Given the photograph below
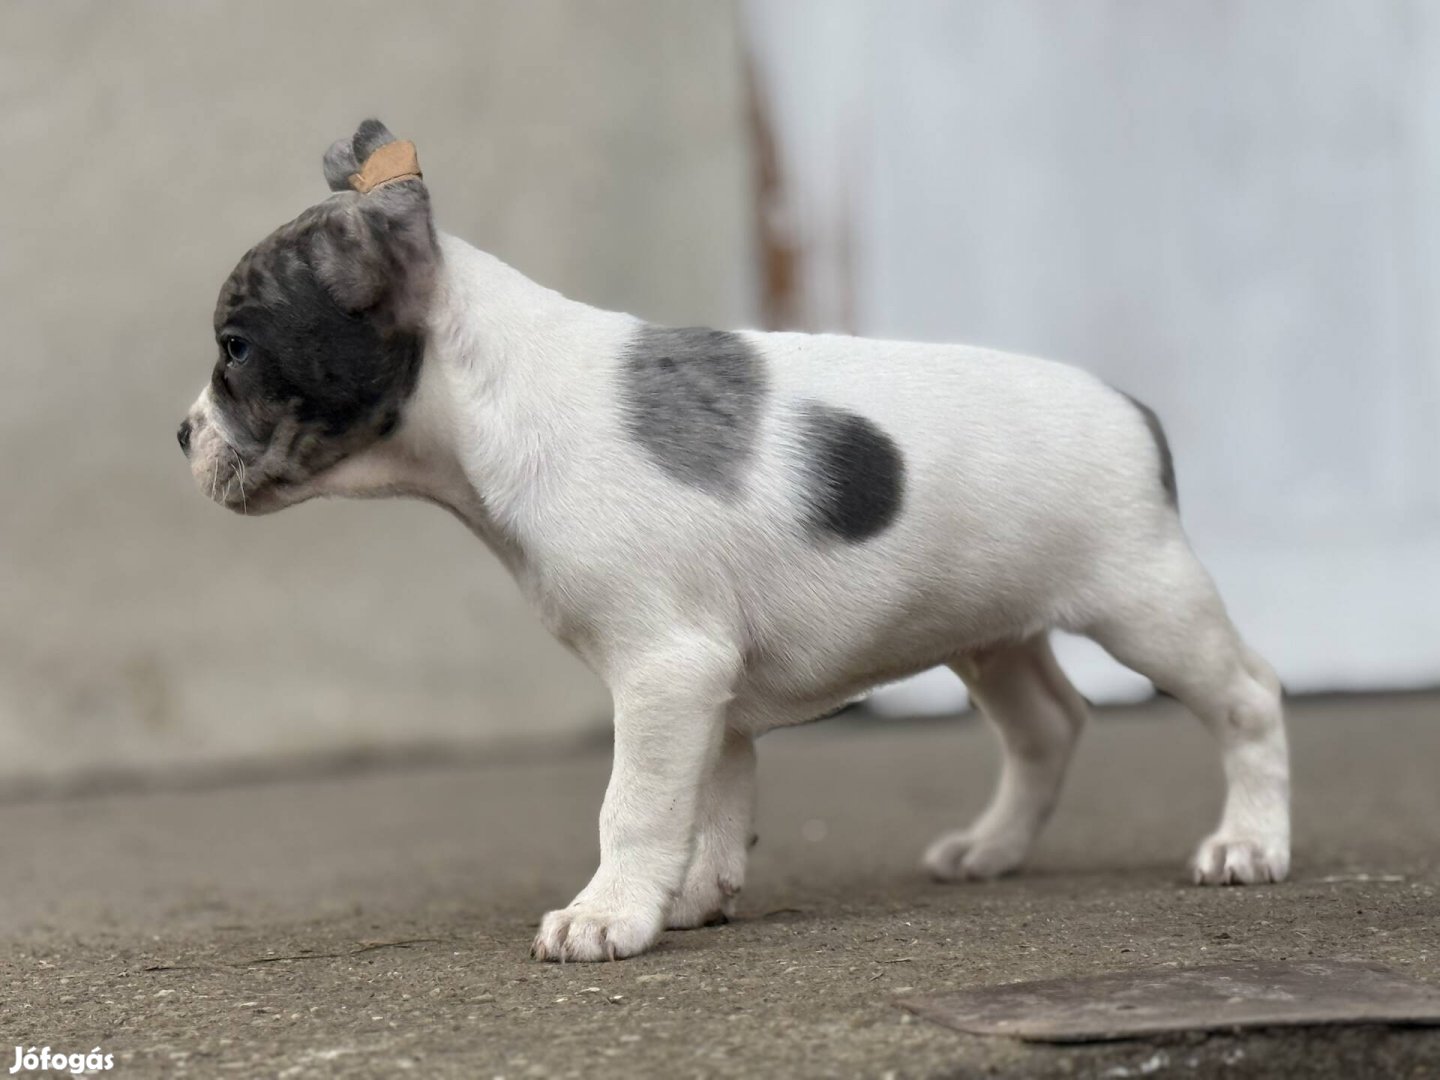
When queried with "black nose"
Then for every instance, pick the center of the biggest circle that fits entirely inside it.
(183, 437)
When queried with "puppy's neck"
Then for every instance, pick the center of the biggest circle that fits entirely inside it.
(506, 372)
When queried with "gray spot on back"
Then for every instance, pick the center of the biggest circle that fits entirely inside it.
(1162, 447)
(692, 398)
(855, 473)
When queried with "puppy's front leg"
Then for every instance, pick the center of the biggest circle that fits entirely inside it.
(669, 721)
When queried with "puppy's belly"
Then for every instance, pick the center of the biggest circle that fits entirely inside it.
(812, 652)
(802, 685)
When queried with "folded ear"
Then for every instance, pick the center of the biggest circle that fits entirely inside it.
(345, 156)
(375, 252)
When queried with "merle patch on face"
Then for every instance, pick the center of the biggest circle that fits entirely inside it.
(1162, 447)
(318, 381)
(855, 474)
(320, 337)
(692, 398)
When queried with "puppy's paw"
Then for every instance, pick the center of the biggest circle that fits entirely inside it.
(971, 855)
(707, 900)
(590, 932)
(1238, 860)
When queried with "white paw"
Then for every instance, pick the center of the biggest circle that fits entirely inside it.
(1234, 860)
(590, 932)
(707, 900)
(972, 855)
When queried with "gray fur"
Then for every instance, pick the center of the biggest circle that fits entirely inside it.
(378, 246)
(346, 156)
(369, 137)
(333, 307)
(855, 474)
(692, 398)
(1162, 447)
(340, 164)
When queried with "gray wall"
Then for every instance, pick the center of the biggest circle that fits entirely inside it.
(597, 146)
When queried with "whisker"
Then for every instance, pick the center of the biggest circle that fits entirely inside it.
(244, 502)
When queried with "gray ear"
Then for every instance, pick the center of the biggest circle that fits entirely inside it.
(369, 137)
(345, 156)
(340, 163)
(378, 252)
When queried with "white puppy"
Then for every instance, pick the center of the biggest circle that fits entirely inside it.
(737, 531)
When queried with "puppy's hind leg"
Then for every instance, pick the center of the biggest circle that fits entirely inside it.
(1038, 717)
(1169, 624)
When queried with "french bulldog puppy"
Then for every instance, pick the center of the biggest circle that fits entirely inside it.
(736, 530)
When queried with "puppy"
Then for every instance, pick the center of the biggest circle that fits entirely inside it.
(736, 530)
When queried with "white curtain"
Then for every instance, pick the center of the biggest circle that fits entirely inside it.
(1231, 211)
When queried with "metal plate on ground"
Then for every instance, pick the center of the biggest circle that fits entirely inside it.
(1151, 1001)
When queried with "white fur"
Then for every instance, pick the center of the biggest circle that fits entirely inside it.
(1032, 501)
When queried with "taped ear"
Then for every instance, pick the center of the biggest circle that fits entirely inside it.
(376, 250)
(340, 164)
(346, 157)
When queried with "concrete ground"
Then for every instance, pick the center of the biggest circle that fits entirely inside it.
(377, 922)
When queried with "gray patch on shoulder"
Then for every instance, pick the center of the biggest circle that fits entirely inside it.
(855, 473)
(692, 398)
(1162, 447)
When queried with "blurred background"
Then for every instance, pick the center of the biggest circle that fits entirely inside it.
(1227, 209)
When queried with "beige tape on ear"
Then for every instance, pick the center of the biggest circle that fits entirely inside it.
(391, 162)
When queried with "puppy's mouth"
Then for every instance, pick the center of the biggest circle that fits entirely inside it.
(247, 477)
(244, 486)
(292, 463)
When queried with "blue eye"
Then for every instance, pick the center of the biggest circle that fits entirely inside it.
(237, 349)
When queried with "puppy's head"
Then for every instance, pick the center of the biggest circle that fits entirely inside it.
(319, 334)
